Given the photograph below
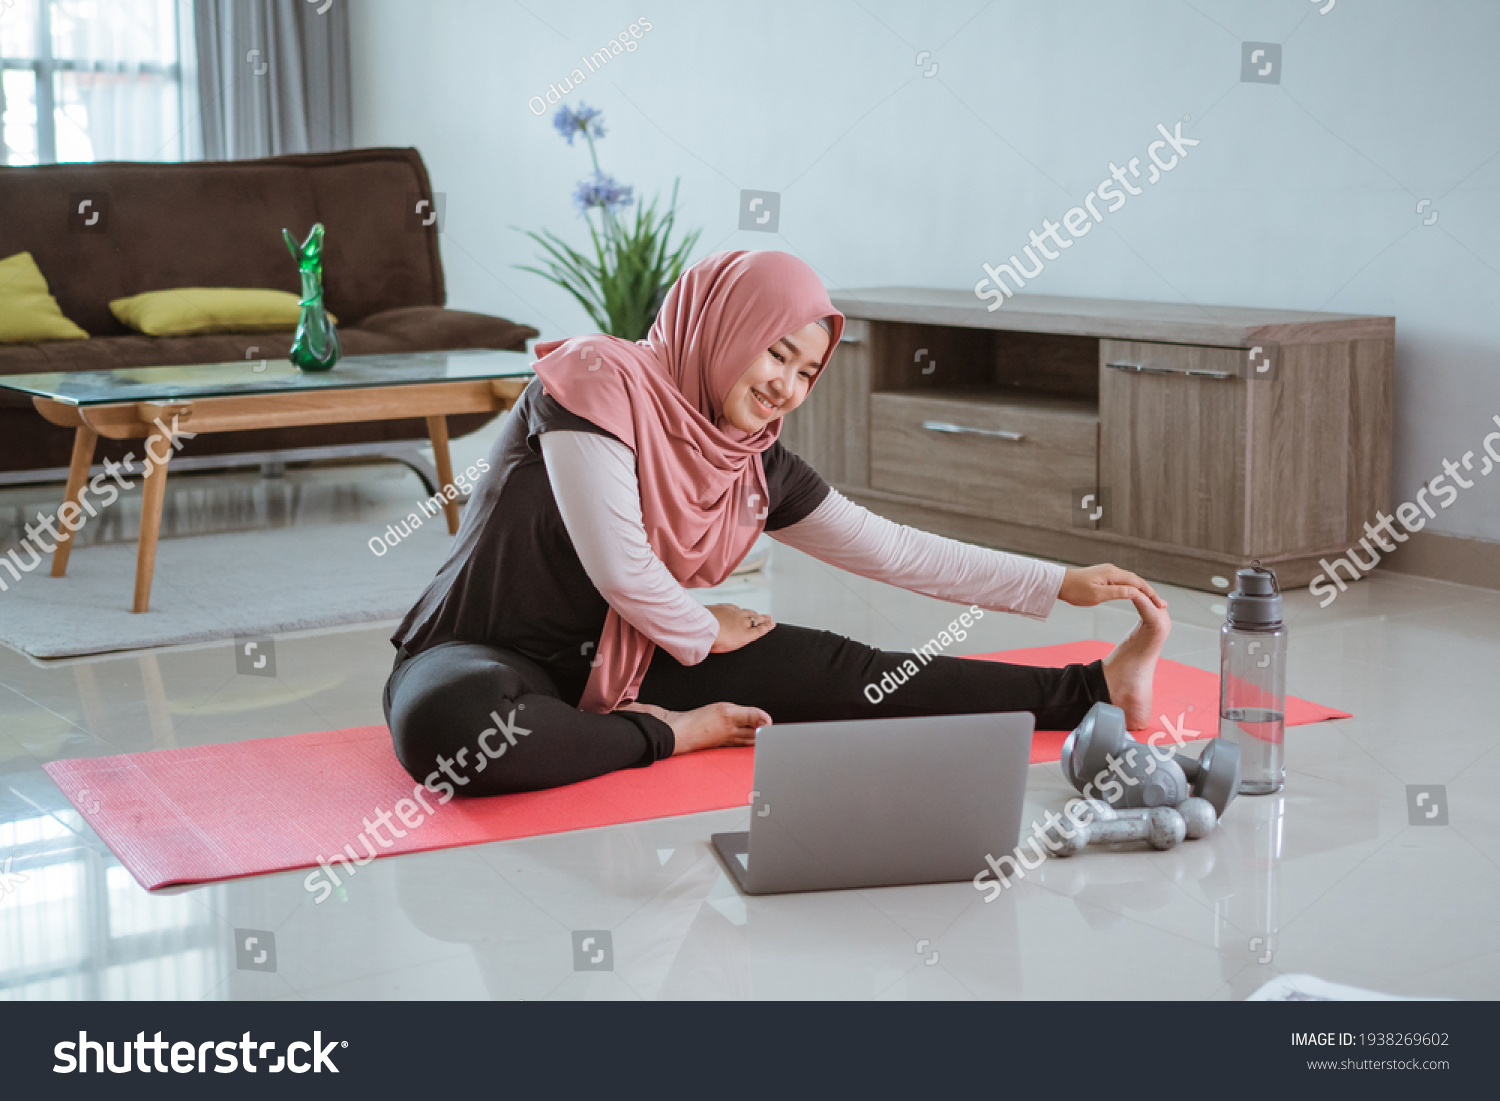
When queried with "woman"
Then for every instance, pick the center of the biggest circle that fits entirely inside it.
(558, 641)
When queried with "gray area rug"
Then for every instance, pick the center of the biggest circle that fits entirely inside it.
(210, 588)
(215, 587)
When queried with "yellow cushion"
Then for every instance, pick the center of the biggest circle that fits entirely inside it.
(186, 310)
(28, 312)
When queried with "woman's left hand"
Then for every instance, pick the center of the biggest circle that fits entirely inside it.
(1090, 585)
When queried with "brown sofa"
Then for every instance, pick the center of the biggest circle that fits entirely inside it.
(218, 224)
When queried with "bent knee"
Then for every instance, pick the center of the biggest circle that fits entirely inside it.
(458, 716)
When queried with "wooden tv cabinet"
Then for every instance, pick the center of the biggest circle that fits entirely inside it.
(1178, 441)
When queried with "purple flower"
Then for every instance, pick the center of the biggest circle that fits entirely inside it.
(601, 190)
(585, 121)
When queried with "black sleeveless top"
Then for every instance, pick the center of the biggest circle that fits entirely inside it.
(513, 578)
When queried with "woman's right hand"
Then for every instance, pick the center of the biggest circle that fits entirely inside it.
(737, 626)
(1091, 585)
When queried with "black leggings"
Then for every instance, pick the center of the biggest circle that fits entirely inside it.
(486, 721)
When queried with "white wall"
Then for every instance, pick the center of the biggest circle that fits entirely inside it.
(1301, 195)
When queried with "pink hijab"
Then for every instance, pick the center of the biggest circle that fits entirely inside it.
(662, 397)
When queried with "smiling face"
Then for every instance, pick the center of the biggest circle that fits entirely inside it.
(777, 380)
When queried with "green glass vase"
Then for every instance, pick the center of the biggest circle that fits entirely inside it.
(315, 347)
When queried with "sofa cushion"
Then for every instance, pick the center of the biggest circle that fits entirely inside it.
(27, 309)
(184, 311)
(432, 328)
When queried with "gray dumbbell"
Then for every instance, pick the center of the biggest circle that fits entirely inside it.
(1215, 776)
(1098, 809)
(1145, 780)
(1197, 816)
(1163, 827)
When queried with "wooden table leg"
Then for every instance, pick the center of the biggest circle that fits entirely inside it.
(153, 492)
(84, 439)
(437, 431)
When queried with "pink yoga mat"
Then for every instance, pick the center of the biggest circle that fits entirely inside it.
(195, 815)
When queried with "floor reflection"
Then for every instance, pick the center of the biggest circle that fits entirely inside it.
(75, 925)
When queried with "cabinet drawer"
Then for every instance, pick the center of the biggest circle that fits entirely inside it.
(1007, 460)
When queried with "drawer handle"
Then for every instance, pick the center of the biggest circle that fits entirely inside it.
(1122, 366)
(997, 433)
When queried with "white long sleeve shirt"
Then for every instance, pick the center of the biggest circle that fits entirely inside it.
(598, 496)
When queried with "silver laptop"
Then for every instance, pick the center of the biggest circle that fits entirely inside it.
(880, 802)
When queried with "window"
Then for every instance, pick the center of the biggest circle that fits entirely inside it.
(94, 80)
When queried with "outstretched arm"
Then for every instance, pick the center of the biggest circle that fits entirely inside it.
(850, 537)
(594, 482)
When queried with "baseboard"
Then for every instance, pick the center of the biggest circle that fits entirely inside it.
(1443, 557)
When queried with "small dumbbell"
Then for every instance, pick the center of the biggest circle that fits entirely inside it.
(1197, 816)
(1097, 809)
(1163, 827)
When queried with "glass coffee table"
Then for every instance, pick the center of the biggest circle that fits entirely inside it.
(163, 405)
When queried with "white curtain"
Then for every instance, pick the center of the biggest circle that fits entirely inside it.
(118, 85)
(97, 80)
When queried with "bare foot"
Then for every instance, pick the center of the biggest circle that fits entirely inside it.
(1129, 668)
(708, 727)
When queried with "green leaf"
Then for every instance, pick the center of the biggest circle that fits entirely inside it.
(622, 286)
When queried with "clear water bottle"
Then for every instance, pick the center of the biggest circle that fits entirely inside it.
(1252, 679)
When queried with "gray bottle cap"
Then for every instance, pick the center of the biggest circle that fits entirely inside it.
(1255, 604)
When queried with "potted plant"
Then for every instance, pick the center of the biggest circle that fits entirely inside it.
(623, 283)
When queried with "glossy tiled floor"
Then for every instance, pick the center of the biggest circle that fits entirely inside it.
(1327, 877)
